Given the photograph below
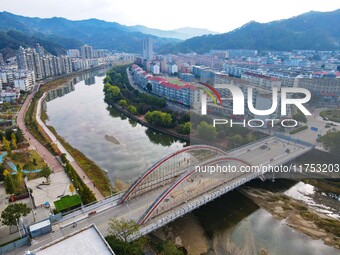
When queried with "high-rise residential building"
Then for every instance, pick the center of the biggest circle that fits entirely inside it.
(148, 48)
(21, 58)
(73, 53)
(99, 53)
(171, 68)
(40, 49)
(155, 68)
(2, 62)
(86, 51)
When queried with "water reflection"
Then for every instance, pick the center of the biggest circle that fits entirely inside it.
(90, 81)
(84, 119)
(67, 88)
(59, 91)
(160, 138)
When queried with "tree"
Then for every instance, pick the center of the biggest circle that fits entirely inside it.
(159, 118)
(132, 109)
(13, 212)
(45, 172)
(300, 117)
(184, 128)
(6, 105)
(331, 141)
(169, 248)
(8, 133)
(120, 232)
(123, 229)
(71, 188)
(19, 136)
(206, 131)
(14, 141)
(19, 183)
(236, 140)
(6, 144)
(123, 103)
(149, 87)
(8, 181)
(113, 93)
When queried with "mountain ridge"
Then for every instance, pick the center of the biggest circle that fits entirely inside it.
(311, 30)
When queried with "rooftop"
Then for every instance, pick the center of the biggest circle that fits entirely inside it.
(87, 241)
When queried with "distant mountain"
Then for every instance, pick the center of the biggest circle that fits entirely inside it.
(180, 33)
(98, 33)
(12, 39)
(312, 30)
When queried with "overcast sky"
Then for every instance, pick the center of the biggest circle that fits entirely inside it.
(216, 15)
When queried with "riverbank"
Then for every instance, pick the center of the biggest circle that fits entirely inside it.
(297, 215)
(96, 176)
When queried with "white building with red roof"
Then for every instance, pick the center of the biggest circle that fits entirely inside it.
(171, 89)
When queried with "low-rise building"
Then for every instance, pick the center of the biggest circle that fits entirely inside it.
(10, 95)
(261, 81)
(171, 89)
(87, 241)
(171, 68)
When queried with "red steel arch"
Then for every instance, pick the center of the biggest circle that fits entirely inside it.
(154, 167)
(185, 176)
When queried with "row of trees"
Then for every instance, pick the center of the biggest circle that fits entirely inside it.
(86, 195)
(119, 91)
(11, 138)
(14, 184)
(9, 133)
(117, 88)
(8, 146)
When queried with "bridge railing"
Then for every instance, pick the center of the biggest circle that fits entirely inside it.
(90, 207)
(249, 144)
(192, 205)
(292, 139)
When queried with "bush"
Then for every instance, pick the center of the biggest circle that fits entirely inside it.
(297, 130)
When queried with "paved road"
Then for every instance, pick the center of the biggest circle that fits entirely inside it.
(75, 165)
(49, 158)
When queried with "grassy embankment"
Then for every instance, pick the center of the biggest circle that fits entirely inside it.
(90, 168)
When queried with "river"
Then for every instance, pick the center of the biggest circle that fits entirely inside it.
(125, 149)
(117, 144)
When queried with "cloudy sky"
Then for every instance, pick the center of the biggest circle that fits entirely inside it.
(216, 15)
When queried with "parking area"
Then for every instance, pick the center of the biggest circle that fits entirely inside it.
(319, 125)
